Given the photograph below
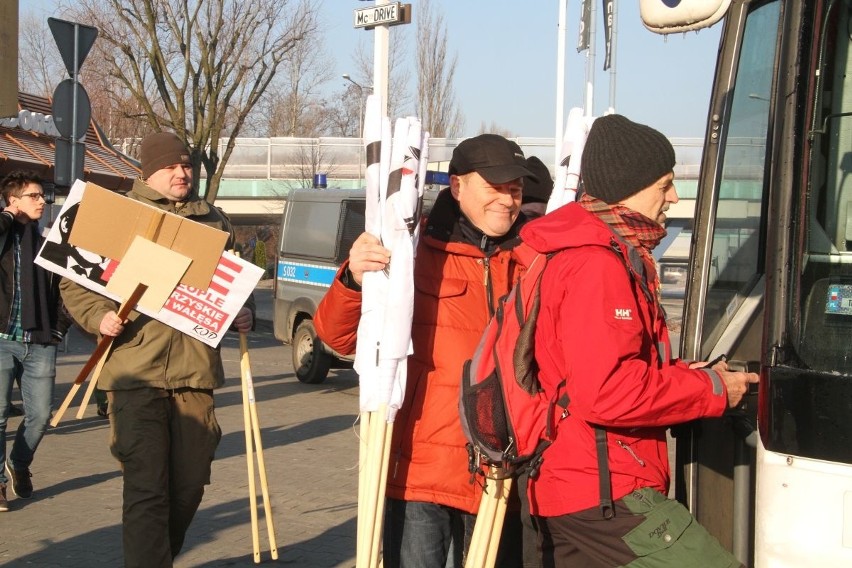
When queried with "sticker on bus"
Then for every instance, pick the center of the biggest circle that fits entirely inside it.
(839, 300)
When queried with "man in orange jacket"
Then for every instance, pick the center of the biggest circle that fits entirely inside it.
(463, 266)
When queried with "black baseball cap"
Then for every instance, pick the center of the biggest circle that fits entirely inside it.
(495, 158)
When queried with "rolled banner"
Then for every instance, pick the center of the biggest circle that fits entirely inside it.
(568, 173)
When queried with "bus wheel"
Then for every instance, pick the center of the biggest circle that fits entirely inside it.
(310, 361)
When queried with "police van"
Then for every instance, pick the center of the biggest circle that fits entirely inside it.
(318, 228)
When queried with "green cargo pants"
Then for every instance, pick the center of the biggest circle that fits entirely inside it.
(647, 531)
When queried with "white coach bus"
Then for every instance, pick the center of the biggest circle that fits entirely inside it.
(770, 279)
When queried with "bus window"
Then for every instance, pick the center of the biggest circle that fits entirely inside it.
(736, 264)
(823, 301)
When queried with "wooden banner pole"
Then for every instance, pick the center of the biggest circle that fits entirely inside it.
(483, 527)
(93, 383)
(99, 352)
(376, 545)
(505, 485)
(363, 452)
(248, 385)
(255, 534)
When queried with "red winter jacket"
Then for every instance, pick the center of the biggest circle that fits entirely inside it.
(599, 332)
(457, 287)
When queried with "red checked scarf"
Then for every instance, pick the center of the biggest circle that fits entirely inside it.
(637, 230)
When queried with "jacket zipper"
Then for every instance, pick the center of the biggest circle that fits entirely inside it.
(489, 303)
(630, 451)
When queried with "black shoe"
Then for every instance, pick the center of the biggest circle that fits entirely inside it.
(4, 505)
(103, 410)
(15, 410)
(22, 486)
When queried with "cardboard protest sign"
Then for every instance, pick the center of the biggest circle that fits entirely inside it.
(203, 312)
(146, 262)
(106, 224)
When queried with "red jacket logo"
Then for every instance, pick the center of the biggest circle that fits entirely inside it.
(623, 314)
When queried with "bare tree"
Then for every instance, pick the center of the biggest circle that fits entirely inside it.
(40, 67)
(436, 100)
(313, 159)
(113, 109)
(198, 67)
(292, 109)
(399, 74)
(495, 128)
(344, 112)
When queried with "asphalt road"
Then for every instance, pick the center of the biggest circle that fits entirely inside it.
(310, 451)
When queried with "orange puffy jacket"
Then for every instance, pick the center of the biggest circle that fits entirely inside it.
(457, 285)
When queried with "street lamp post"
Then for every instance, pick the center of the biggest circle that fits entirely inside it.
(360, 122)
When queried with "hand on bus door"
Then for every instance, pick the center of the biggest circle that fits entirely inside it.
(736, 383)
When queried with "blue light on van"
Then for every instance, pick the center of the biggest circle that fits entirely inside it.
(306, 273)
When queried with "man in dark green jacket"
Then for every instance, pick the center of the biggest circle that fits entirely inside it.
(159, 382)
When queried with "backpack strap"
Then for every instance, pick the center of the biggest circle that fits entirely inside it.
(636, 270)
(604, 476)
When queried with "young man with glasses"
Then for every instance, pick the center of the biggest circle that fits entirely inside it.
(32, 323)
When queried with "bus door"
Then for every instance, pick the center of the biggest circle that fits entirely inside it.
(770, 285)
(724, 307)
(804, 458)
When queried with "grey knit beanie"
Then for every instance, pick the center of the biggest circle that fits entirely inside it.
(622, 157)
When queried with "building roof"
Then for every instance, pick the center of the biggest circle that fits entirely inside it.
(28, 141)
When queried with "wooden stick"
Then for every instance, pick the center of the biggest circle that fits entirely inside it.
(371, 491)
(93, 383)
(100, 351)
(264, 486)
(363, 448)
(255, 535)
(376, 545)
(245, 366)
(484, 525)
(65, 404)
(499, 518)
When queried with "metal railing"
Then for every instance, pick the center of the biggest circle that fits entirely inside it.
(338, 158)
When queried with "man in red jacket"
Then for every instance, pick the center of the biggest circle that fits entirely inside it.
(463, 267)
(602, 330)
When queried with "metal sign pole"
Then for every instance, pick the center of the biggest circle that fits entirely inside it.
(75, 135)
(72, 110)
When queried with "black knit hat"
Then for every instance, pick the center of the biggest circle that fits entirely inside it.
(495, 158)
(622, 157)
(537, 189)
(161, 150)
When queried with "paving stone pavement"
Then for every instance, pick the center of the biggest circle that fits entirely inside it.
(309, 445)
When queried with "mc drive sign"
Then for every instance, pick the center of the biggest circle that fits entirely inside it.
(388, 14)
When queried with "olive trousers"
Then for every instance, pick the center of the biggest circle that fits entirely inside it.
(165, 441)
